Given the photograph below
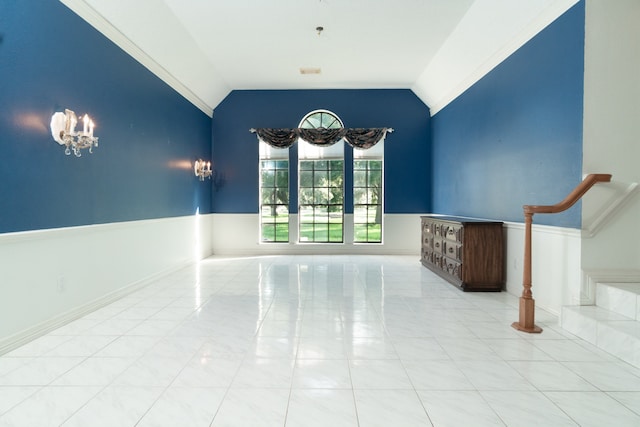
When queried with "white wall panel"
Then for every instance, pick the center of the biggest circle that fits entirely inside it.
(238, 234)
(48, 277)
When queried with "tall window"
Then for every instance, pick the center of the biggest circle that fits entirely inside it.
(274, 193)
(321, 184)
(368, 194)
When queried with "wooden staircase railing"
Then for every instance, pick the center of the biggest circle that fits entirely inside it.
(526, 321)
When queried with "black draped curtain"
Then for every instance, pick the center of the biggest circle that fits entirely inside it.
(361, 138)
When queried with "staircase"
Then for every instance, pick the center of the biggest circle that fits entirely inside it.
(613, 324)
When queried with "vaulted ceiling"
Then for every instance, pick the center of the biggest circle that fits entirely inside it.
(207, 48)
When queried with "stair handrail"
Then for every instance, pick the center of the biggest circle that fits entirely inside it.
(526, 321)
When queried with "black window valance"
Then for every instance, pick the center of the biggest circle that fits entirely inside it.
(361, 138)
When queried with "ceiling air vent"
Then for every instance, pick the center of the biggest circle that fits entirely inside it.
(309, 70)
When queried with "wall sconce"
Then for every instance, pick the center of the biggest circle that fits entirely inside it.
(63, 130)
(202, 169)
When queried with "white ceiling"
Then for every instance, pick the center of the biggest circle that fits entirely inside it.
(206, 48)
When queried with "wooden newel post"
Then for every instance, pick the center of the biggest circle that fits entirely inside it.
(526, 321)
(527, 304)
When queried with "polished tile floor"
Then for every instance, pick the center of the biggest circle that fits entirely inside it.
(312, 341)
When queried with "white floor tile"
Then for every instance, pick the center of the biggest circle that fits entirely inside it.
(550, 376)
(526, 408)
(254, 407)
(321, 408)
(383, 408)
(594, 409)
(379, 374)
(115, 407)
(313, 341)
(458, 408)
(192, 406)
(493, 375)
(50, 406)
(437, 375)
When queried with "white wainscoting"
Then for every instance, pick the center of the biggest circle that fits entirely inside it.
(238, 234)
(555, 268)
(49, 277)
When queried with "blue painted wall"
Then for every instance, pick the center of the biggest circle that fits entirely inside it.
(407, 149)
(50, 59)
(515, 137)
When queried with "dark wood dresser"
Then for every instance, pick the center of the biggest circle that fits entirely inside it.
(468, 253)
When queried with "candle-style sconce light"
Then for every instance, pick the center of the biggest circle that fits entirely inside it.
(63, 130)
(202, 169)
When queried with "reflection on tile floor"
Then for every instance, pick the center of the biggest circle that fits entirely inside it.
(312, 341)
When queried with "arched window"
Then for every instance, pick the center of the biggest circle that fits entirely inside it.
(321, 183)
(320, 139)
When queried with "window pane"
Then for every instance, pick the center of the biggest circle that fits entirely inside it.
(306, 196)
(306, 232)
(321, 196)
(372, 212)
(359, 214)
(265, 213)
(360, 232)
(282, 232)
(359, 165)
(306, 165)
(321, 214)
(359, 178)
(336, 165)
(335, 211)
(321, 232)
(268, 232)
(268, 178)
(372, 195)
(282, 178)
(306, 214)
(335, 177)
(374, 234)
(268, 196)
(335, 232)
(282, 214)
(320, 178)
(375, 164)
(282, 195)
(306, 178)
(267, 164)
(336, 196)
(375, 178)
(359, 196)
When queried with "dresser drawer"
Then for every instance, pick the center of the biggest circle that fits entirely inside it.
(452, 268)
(452, 250)
(452, 232)
(438, 246)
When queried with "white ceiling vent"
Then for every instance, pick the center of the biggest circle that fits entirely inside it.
(309, 70)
